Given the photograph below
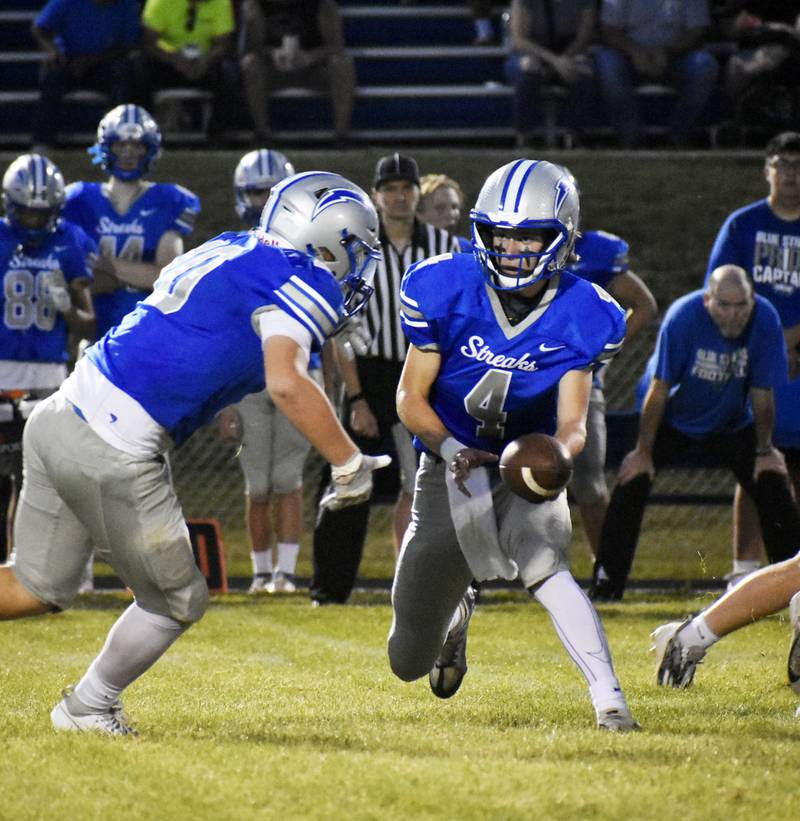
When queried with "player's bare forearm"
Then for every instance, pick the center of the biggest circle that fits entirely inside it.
(80, 317)
(413, 408)
(140, 275)
(302, 401)
(574, 389)
(637, 298)
(763, 403)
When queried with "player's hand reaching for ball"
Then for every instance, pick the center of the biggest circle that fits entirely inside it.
(461, 460)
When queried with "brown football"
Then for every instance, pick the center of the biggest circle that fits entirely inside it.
(536, 467)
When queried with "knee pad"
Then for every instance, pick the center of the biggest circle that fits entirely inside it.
(189, 604)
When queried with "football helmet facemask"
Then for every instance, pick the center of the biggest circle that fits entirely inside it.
(33, 195)
(126, 122)
(257, 171)
(332, 220)
(523, 197)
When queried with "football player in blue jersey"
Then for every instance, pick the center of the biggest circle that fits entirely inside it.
(602, 258)
(236, 312)
(503, 343)
(271, 450)
(138, 225)
(45, 265)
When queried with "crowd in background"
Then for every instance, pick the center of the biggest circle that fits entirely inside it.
(732, 60)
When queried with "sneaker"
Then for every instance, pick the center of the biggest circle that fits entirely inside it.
(617, 720)
(112, 722)
(281, 583)
(793, 665)
(675, 662)
(450, 668)
(260, 583)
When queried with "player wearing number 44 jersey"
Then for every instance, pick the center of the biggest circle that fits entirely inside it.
(239, 309)
(138, 225)
(503, 342)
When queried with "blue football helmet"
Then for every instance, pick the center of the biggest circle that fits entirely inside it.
(527, 195)
(333, 220)
(33, 195)
(126, 122)
(257, 171)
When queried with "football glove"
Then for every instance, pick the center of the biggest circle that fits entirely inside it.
(353, 338)
(352, 481)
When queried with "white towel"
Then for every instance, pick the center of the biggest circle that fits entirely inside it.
(476, 527)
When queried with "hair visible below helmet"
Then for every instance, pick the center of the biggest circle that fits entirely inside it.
(32, 181)
(258, 170)
(526, 194)
(333, 220)
(126, 122)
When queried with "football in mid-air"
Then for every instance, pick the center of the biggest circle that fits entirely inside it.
(536, 467)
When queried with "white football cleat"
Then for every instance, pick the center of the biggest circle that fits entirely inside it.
(793, 664)
(260, 584)
(281, 583)
(676, 662)
(617, 720)
(112, 722)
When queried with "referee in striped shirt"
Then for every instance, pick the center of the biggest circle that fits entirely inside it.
(371, 380)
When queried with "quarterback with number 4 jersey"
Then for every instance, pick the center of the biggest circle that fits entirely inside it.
(221, 318)
(503, 343)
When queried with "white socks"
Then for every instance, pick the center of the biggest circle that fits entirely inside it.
(697, 633)
(136, 641)
(287, 557)
(262, 561)
(581, 632)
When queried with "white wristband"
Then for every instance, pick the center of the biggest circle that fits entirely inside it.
(449, 448)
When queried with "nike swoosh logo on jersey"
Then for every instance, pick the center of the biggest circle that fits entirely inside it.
(545, 348)
(112, 417)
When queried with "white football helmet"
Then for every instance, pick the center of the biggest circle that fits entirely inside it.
(33, 195)
(126, 122)
(333, 220)
(526, 194)
(258, 170)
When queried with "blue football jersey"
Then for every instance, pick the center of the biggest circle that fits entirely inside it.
(498, 381)
(132, 236)
(32, 329)
(601, 257)
(192, 347)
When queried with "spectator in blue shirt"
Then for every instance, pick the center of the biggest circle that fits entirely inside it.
(86, 43)
(709, 390)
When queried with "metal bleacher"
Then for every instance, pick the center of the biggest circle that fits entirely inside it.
(419, 78)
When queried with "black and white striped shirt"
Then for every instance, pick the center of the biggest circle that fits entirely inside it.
(383, 310)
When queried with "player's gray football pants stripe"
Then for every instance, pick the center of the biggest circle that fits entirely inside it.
(79, 491)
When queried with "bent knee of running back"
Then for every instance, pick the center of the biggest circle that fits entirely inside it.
(16, 601)
(412, 654)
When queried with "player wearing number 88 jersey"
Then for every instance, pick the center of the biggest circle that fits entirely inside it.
(240, 310)
(44, 291)
(503, 342)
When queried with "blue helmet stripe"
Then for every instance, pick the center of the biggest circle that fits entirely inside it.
(507, 185)
(522, 186)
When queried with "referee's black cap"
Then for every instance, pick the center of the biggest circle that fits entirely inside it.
(396, 167)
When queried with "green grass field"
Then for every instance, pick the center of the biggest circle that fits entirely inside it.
(273, 709)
